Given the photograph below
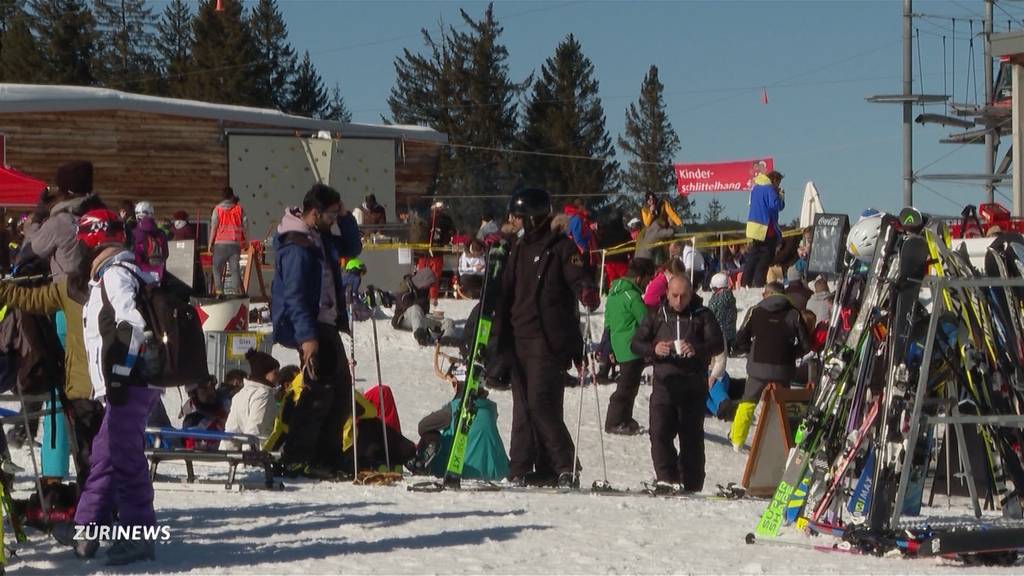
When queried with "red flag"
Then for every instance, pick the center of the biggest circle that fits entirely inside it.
(764, 95)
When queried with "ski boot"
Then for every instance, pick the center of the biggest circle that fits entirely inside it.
(128, 551)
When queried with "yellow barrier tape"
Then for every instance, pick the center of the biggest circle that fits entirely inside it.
(620, 249)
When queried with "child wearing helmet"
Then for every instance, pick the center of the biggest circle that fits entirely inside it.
(115, 332)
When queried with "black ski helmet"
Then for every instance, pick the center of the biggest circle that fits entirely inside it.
(533, 205)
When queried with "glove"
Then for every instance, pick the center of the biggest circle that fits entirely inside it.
(309, 371)
(590, 298)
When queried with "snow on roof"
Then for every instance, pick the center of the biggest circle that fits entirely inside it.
(46, 98)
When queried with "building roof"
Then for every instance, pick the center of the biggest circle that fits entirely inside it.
(46, 98)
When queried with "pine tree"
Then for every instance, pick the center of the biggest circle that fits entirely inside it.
(223, 55)
(68, 28)
(652, 144)
(308, 95)
(126, 60)
(21, 58)
(175, 47)
(564, 117)
(336, 109)
(275, 67)
(460, 86)
(714, 212)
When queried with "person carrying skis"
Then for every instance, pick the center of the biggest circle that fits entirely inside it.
(539, 330)
(308, 308)
(623, 311)
(680, 337)
(115, 336)
(775, 337)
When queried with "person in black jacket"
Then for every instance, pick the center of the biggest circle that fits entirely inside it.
(538, 326)
(680, 337)
(775, 337)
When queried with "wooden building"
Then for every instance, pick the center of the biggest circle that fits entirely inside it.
(175, 153)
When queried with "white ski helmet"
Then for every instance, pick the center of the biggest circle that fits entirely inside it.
(863, 237)
(144, 209)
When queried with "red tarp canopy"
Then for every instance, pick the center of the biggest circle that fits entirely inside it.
(17, 189)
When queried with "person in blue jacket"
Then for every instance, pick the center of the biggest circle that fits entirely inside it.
(308, 307)
(767, 199)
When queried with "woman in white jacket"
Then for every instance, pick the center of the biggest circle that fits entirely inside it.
(253, 409)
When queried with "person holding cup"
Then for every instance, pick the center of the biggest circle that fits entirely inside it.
(680, 338)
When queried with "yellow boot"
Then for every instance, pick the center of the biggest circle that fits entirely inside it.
(741, 424)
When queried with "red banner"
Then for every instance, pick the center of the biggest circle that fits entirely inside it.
(720, 176)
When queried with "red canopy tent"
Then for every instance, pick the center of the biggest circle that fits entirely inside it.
(17, 189)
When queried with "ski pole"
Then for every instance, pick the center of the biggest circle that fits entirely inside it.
(355, 422)
(380, 387)
(597, 400)
(32, 452)
(579, 419)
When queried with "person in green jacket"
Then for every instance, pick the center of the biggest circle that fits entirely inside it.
(623, 312)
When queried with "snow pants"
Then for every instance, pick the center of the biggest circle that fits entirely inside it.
(314, 429)
(627, 385)
(119, 470)
(758, 260)
(227, 255)
(679, 415)
(540, 439)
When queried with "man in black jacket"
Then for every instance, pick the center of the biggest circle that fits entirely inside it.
(775, 336)
(538, 327)
(680, 337)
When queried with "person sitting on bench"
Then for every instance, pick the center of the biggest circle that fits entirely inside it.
(254, 408)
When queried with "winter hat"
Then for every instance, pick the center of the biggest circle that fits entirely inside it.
(260, 364)
(720, 280)
(634, 223)
(75, 177)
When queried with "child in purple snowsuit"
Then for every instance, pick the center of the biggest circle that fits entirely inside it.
(114, 334)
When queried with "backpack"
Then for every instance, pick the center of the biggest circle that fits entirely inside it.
(180, 355)
(156, 253)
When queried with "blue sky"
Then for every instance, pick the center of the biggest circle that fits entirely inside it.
(818, 60)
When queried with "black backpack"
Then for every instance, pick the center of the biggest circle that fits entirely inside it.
(177, 332)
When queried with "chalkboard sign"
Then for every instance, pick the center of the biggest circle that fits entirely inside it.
(828, 244)
(181, 258)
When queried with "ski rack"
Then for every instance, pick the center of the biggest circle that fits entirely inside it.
(936, 285)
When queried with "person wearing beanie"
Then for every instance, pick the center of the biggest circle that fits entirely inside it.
(52, 238)
(254, 408)
(797, 291)
(181, 228)
(723, 306)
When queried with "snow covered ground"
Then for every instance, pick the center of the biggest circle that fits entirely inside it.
(321, 528)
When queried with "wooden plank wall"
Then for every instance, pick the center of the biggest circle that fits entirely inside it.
(175, 162)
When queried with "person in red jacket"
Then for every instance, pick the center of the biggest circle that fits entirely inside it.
(227, 235)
